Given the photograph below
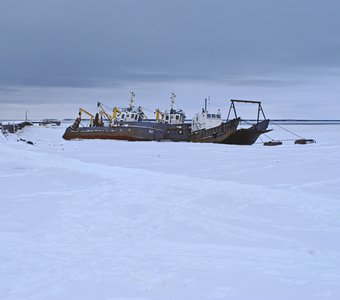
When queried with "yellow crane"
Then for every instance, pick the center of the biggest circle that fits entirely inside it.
(159, 115)
(102, 113)
(82, 110)
(116, 112)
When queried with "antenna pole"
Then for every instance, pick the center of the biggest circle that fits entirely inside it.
(172, 100)
(131, 98)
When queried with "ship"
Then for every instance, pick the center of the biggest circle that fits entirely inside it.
(209, 128)
(130, 124)
(178, 130)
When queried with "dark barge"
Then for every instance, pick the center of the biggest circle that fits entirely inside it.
(248, 136)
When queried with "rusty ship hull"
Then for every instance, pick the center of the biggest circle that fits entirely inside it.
(218, 134)
(226, 133)
(134, 131)
(178, 132)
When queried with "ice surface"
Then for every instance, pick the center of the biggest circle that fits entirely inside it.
(159, 220)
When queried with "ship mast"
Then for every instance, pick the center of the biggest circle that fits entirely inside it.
(173, 96)
(131, 98)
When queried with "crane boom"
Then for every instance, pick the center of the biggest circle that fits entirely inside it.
(103, 112)
(82, 110)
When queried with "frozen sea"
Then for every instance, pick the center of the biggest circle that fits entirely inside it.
(120, 220)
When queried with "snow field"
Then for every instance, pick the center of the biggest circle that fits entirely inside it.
(124, 220)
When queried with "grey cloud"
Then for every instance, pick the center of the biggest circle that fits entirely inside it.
(98, 43)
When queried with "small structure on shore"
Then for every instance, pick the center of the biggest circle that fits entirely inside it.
(53, 122)
(12, 128)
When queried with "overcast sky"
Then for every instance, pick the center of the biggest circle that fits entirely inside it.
(58, 55)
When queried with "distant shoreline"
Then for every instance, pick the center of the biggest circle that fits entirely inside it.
(274, 121)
